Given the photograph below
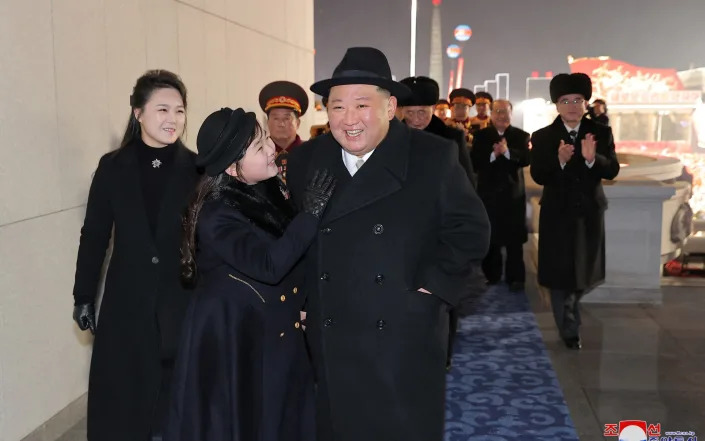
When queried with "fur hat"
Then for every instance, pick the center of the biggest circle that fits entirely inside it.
(566, 84)
(424, 91)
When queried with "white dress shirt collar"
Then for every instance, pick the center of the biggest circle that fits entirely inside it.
(350, 160)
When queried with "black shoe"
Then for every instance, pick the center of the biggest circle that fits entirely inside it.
(573, 343)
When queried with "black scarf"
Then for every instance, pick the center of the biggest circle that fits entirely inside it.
(264, 203)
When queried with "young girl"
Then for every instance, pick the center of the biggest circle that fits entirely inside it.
(242, 371)
(138, 195)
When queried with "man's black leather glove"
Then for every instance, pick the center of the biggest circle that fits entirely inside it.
(318, 193)
(84, 315)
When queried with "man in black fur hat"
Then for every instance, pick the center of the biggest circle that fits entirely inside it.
(418, 112)
(570, 158)
(396, 249)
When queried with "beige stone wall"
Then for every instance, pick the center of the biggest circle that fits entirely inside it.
(66, 71)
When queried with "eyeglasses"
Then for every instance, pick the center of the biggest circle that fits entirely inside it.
(574, 102)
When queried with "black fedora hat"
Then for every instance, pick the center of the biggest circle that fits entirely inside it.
(362, 65)
(222, 139)
(424, 91)
(566, 84)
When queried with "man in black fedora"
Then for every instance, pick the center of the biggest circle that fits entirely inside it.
(570, 158)
(394, 252)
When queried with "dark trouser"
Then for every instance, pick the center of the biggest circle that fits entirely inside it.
(566, 312)
(514, 271)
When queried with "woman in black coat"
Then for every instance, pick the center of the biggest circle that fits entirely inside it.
(138, 195)
(243, 371)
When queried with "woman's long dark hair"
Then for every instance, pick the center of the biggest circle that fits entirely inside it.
(263, 203)
(144, 88)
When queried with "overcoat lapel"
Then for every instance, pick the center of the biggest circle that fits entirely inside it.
(382, 174)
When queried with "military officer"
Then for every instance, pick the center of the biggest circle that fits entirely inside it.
(284, 103)
(442, 110)
(483, 104)
(461, 101)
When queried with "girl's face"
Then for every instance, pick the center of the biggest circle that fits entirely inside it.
(258, 163)
(162, 118)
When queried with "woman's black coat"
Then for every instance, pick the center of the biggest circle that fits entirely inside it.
(143, 303)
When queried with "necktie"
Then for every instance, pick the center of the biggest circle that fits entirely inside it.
(359, 163)
(573, 136)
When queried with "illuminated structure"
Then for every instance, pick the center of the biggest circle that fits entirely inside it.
(435, 69)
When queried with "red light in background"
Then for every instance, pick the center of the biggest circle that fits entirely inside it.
(549, 74)
(436, 2)
(535, 74)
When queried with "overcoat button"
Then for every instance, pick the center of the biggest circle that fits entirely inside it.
(379, 279)
(283, 298)
(297, 325)
(325, 276)
(295, 290)
(328, 322)
(281, 335)
(326, 230)
(155, 260)
(378, 229)
(381, 324)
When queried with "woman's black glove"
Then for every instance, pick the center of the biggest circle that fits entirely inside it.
(318, 193)
(84, 315)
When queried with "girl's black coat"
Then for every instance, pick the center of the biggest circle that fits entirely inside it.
(242, 373)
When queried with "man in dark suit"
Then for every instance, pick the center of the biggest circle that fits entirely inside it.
(417, 110)
(395, 250)
(500, 153)
(570, 158)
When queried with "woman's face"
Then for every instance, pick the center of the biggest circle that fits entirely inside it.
(162, 118)
(258, 163)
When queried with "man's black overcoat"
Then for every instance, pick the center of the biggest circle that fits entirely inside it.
(573, 204)
(501, 182)
(408, 219)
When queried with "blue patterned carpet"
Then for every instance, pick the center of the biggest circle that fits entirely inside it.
(502, 385)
